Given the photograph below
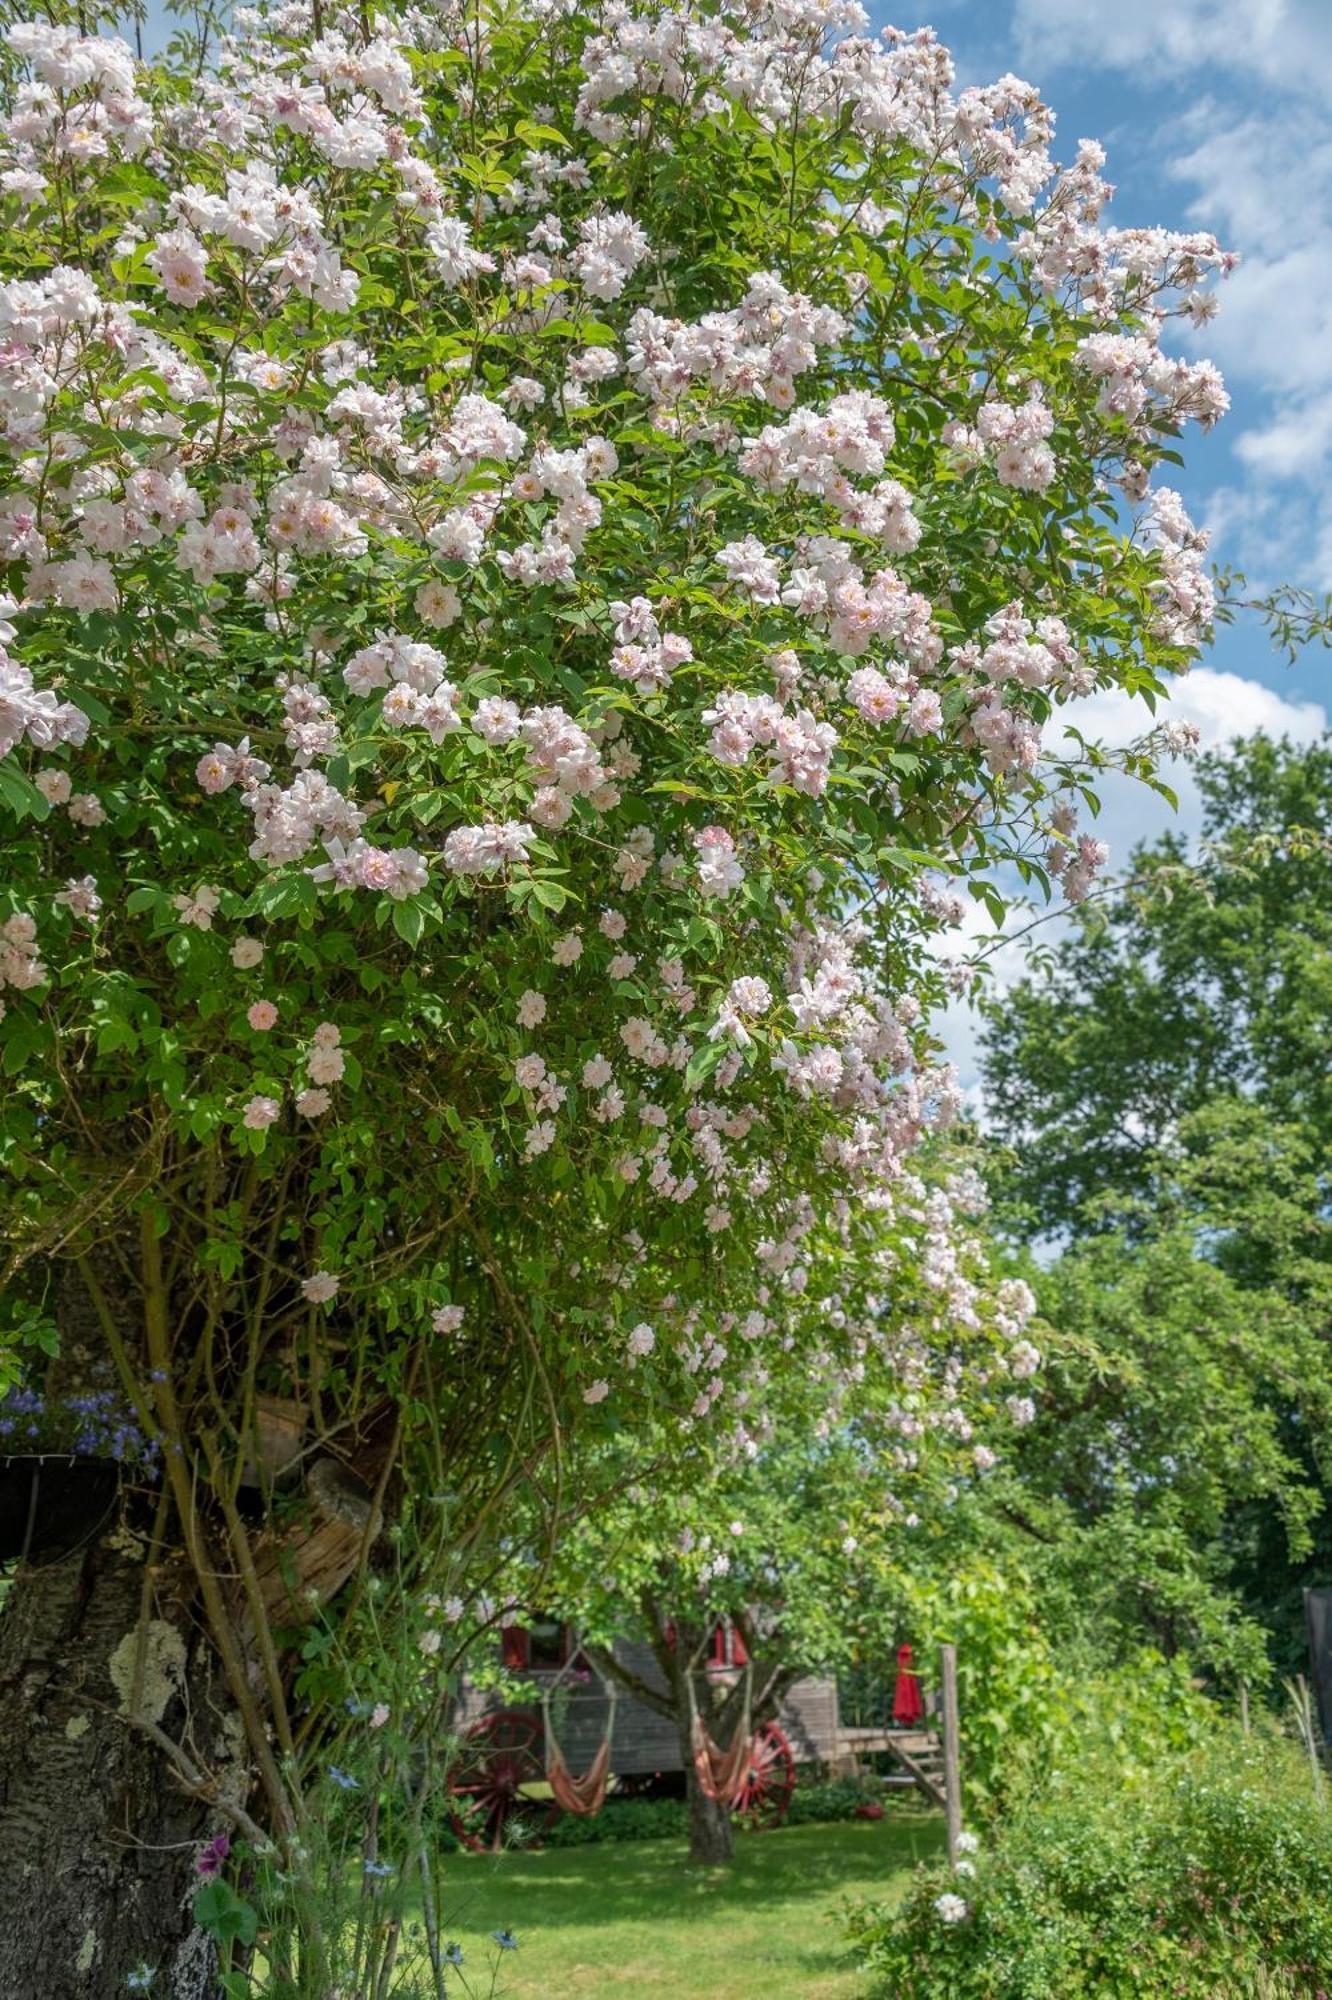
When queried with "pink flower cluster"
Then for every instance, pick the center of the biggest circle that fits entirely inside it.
(799, 748)
(644, 655)
(26, 711)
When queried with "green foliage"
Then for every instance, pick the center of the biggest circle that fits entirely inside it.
(1027, 1697)
(225, 1915)
(834, 1799)
(620, 1819)
(813, 1803)
(1197, 1876)
(1163, 1089)
(1191, 985)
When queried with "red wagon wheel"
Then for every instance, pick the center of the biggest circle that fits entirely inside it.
(494, 1779)
(765, 1790)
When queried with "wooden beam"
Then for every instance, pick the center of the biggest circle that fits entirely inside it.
(952, 1752)
(927, 1783)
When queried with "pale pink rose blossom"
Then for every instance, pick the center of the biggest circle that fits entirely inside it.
(531, 1009)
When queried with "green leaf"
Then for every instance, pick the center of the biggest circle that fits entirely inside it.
(222, 1913)
(21, 795)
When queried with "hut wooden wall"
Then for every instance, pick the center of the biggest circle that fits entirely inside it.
(645, 1741)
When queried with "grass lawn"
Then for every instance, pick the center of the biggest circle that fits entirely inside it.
(633, 1918)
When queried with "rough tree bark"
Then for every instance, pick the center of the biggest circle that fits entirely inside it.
(98, 1836)
(122, 1746)
(711, 1834)
(99, 1828)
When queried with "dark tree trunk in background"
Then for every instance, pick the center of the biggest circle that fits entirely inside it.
(98, 1836)
(711, 1837)
(674, 1648)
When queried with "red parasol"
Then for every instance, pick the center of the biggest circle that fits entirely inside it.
(908, 1708)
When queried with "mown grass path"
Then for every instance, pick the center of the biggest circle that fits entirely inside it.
(634, 1919)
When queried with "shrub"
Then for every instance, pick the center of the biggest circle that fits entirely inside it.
(620, 1819)
(1205, 1878)
(1027, 1701)
(812, 1801)
(833, 1799)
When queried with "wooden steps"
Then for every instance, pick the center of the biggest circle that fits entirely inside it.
(920, 1752)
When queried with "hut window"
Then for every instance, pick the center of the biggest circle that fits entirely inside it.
(513, 1646)
(547, 1643)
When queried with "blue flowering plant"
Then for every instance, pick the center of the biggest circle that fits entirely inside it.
(93, 1423)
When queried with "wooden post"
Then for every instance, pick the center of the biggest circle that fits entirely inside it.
(952, 1751)
(1244, 1706)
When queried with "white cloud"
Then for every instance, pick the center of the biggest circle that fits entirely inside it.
(1263, 182)
(1238, 119)
(1295, 443)
(1287, 42)
(1224, 706)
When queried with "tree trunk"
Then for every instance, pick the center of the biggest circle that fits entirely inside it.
(711, 1838)
(98, 1834)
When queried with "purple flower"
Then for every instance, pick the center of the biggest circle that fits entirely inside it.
(209, 1861)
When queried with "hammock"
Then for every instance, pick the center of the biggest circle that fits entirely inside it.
(586, 1795)
(583, 1796)
(720, 1773)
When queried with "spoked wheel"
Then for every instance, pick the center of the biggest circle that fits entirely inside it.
(765, 1790)
(493, 1782)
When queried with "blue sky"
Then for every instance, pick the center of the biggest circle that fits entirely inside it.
(1214, 115)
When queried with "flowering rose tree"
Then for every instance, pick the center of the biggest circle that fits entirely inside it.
(551, 552)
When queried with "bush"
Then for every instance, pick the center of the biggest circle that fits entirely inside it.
(1029, 1699)
(620, 1819)
(668, 1818)
(658, 1819)
(1203, 1879)
(835, 1798)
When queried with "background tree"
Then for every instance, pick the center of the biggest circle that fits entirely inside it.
(492, 506)
(796, 1534)
(1187, 986)
(1166, 1106)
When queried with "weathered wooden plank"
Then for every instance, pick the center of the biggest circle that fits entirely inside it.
(645, 1741)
